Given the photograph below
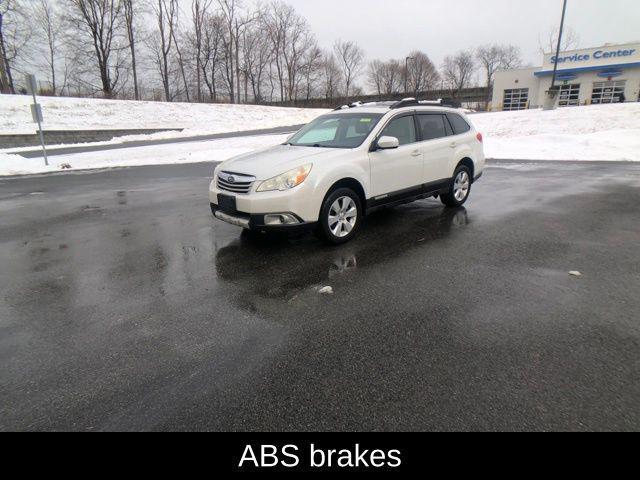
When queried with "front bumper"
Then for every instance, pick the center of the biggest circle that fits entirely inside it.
(302, 201)
(257, 222)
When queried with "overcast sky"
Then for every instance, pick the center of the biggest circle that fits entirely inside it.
(392, 28)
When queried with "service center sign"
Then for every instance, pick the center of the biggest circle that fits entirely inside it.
(600, 56)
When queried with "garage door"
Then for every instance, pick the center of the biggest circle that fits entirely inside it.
(608, 92)
(515, 99)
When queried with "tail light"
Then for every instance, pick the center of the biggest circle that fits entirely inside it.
(479, 137)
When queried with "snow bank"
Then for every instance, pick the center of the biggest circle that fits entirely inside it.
(192, 152)
(83, 114)
(606, 132)
(598, 132)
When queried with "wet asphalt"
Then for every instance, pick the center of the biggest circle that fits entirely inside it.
(125, 306)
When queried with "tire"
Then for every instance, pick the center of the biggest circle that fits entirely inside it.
(460, 189)
(341, 216)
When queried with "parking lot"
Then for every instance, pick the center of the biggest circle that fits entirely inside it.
(125, 306)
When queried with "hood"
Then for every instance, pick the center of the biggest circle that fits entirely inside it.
(266, 164)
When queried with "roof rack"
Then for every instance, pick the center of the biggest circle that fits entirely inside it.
(406, 102)
(412, 102)
(354, 105)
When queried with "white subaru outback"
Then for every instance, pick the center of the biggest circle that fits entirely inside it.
(349, 163)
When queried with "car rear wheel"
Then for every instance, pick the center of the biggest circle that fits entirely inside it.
(460, 188)
(340, 217)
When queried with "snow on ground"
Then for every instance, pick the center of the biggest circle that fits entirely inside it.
(604, 132)
(191, 152)
(597, 132)
(83, 114)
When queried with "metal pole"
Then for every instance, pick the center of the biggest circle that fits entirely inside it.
(44, 149)
(406, 74)
(555, 66)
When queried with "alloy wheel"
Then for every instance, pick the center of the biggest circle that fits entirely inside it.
(343, 216)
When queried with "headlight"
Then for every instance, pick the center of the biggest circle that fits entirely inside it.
(286, 181)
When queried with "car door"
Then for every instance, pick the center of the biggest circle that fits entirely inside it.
(436, 145)
(400, 169)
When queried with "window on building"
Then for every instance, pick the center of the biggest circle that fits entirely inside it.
(569, 95)
(515, 99)
(608, 92)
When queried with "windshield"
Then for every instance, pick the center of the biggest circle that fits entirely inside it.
(343, 130)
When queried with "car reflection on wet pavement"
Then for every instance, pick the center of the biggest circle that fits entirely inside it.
(243, 260)
(125, 306)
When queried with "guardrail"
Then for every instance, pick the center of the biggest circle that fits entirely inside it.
(67, 137)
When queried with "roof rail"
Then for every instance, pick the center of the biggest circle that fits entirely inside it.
(354, 105)
(405, 102)
(412, 102)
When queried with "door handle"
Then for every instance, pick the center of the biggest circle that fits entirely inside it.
(416, 153)
(453, 145)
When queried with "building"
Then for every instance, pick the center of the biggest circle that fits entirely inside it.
(607, 74)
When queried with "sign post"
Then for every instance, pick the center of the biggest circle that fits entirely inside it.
(36, 112)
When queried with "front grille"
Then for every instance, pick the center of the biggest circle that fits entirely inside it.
(235, 183)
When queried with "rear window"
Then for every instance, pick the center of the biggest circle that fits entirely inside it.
(458, 124)
(433, 126)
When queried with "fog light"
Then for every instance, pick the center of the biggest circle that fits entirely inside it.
(280, 219)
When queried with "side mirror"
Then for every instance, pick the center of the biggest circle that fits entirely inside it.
(388, 143)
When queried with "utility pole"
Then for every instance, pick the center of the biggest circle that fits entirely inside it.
(406, 74)
(552, 93)
(555, 64)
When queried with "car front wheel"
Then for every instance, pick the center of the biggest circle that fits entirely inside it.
(340, 217)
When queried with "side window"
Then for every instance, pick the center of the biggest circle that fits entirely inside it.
(403, 128)
(433, 126)
(458, 124)
(447, 126)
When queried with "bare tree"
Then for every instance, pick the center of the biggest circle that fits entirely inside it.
(258, 52)
(548, 43)
(497, 57)
(458, 71)
(48, 28)
(332, 78)
(15, 30)
(131, 10)
(230, 12)
(350, 58)
(199, 13)
(385, 77)
(6, 80)
(312, 70)
(162, 43)
(181, 62)
(211, 52)
(375, 75)
(102, 21)
(291, 40)
(422, 73)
